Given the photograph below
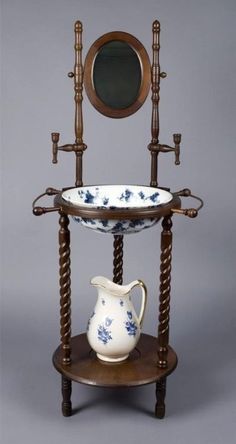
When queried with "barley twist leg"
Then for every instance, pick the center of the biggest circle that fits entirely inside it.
(65, 302)
(164, 306)
(164, 310)
(118, 259)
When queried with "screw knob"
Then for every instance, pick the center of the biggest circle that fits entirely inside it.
(192, 212)
(38, 211)
(51, 191)
(163, 75)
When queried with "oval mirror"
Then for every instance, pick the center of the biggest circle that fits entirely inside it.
(117, 74)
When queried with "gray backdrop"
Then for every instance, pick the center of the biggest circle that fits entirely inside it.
(197, 99)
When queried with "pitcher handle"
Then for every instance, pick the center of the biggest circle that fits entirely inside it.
(141, 284)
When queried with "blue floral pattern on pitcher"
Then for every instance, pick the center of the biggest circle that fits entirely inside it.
(130, 325)
(104, 335)
(89, 321)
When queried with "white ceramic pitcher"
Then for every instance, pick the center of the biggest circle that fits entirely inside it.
(114, 328)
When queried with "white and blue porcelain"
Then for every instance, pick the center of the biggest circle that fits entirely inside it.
(114, 197)
(114, 328)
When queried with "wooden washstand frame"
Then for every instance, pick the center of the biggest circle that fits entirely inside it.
(153, 359)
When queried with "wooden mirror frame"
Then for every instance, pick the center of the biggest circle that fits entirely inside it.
(145, 66)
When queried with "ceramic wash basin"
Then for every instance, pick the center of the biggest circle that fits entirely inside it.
(124, 199)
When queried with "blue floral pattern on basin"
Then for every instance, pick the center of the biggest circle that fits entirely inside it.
(130, 325)
(114, 197)
(114, 226)
(104, 335)
(126, 195)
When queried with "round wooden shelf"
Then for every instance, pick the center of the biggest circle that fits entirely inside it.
(139, 369)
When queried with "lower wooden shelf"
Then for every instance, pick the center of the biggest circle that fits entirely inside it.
(139, 369)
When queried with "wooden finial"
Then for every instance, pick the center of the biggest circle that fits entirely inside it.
(78, 26)
(156, 26)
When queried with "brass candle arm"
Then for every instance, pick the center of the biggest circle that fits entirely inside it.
(70, 147)
(157, 148)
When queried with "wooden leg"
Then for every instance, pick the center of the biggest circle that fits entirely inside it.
(118, 259)
(160, 398)
(65, 303)
(66, 394)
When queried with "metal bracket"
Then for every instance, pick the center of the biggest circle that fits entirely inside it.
(38, 211)
(190, 212)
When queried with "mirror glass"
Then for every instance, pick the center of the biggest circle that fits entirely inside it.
(117, 74)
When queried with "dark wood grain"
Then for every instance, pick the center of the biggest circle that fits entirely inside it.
(139, 369)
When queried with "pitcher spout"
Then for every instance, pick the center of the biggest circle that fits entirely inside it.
(99, 281)
(112, 287)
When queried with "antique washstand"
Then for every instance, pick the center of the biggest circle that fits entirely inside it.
(117, 75)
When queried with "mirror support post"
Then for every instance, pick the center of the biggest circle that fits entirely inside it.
(78, 88)
(79, 146)
(155, 79)
(155, 147)
(78, 83)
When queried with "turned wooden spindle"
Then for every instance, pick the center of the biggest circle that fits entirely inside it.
(66, 395)
(78, 88)
(155, 82)
(164, 299)
(78, 83)
(160, 398)
(79, 146)
(118, 259)
(155, 79)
